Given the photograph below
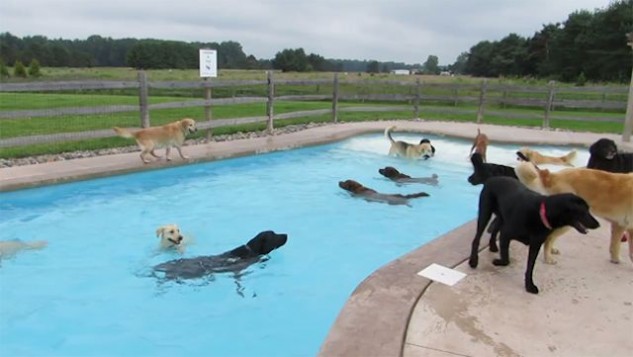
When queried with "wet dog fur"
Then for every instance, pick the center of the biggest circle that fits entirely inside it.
(9, 248)
(167, 136)
(412, 151)
(233, 261)
(357, 189)
(528, 217)
(393, 174)
(171, 238)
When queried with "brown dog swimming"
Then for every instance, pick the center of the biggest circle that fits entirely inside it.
(397, 176)
(168, 136)
(357, 189)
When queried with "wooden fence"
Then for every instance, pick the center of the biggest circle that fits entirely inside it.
(477, 99)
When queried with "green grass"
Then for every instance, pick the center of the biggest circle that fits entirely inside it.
(369, 84)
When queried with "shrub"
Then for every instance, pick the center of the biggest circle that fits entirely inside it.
(34, 68)
(4, 71)
(19, 70)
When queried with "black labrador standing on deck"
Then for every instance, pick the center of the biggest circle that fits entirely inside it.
(233, 261)
(394, 175)
(528, 217)
(482, 171)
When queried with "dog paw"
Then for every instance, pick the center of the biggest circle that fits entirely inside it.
(555, 251)
(500, 262)
(615, 261)
(473, 262)
(550, 261)
(531, 289)
(493, 248)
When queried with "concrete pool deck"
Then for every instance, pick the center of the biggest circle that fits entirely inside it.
(585, 307)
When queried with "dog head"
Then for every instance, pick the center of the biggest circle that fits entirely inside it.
(530, 176)
(480, 174)
(389, 171)
(426, 149)
(351, 186)
(188, 126)
(169, 235)
(524, 154)
(266, 241)
(567, 209)
(604, 149)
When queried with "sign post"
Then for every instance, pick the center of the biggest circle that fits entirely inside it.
(208, 68)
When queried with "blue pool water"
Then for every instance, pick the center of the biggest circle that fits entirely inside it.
(89, 294)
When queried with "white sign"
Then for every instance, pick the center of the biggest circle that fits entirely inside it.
(208, 63)
(442, 274)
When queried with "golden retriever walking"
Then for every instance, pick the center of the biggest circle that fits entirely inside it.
(167, 136)
(609, 195)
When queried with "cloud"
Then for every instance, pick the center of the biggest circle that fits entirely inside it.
(397, 30)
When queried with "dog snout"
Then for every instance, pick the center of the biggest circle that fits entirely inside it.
(180, 238)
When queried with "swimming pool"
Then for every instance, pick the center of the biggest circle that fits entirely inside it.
(89, 294)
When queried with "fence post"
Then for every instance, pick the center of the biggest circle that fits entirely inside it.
(628, 118)
(208, 115)
(550, 102)
(482, 100)
(142, 98)
(269, 103)
(335, 98)
(416, 103)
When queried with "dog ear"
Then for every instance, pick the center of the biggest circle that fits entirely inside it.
(160, 231)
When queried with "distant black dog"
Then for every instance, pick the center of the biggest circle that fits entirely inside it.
(605, 156)
(397, 176)
(357, 189)
(484, 170)
(528, 217)
(233, 261)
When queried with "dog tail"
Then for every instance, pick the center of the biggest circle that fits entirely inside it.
(39, 244)
(388, 133)
(416, 195)
(567, 159)
(123, 133)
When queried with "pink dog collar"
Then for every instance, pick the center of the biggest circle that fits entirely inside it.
(543, 215)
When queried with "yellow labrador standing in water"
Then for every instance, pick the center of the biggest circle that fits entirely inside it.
(168, 135)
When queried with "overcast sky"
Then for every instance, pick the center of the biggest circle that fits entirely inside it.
(394, 30)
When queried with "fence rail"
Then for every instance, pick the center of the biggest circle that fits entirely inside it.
(416, 97)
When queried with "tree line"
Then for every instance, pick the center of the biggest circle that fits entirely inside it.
(587, 46)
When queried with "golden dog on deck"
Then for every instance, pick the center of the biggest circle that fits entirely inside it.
(167, 136)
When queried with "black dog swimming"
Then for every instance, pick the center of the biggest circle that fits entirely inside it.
(528, 217)
(484, 170)
(233, 261)
(393, 174)
(605, 157)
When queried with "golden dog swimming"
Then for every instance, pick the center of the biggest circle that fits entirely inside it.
(167, 136)
(171, 238)
(539, 159)
(9, 248)
(412, 151)
(609, 195)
